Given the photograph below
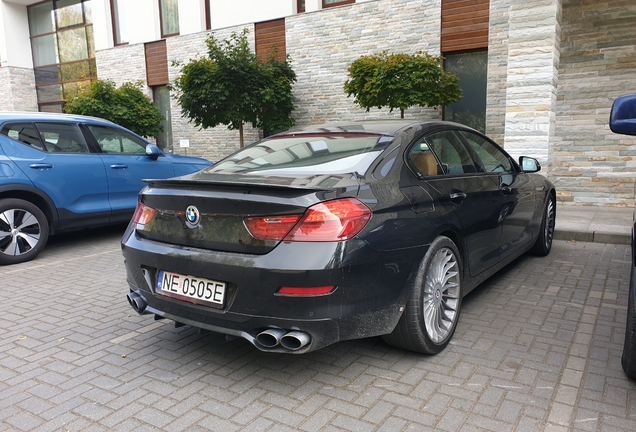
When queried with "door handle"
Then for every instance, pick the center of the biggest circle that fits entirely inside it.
(506, 190)
(40, 166)
(119, 166)
(457, 196)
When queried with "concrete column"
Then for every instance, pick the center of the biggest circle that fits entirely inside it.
(497, 69)
(534, 41)
(313, 5)
(191, 16)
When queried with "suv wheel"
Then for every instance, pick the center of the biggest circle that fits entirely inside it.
(24, 231)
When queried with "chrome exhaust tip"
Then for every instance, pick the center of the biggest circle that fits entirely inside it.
(295, 340)
(270, 337)
(137, 302)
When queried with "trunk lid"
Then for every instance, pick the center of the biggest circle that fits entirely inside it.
(223, 202)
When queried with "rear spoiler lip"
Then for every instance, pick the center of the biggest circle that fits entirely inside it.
(177, 181)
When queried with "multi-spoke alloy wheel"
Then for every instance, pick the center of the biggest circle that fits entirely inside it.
(23, 231)
(432, 310)
(548, 229)
(441, 295)
(543, 244)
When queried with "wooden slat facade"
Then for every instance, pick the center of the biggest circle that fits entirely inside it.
(269, 34)
(465, 24)
(156, 63)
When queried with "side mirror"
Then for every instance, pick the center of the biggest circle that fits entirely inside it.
(623, 115)
(153, 152)
(529, 165)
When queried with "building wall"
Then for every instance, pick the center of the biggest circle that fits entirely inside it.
(211, 144)
(554, 68)
(224, 13)
(497, 70)
(321, 46)
(15, 44)
(591, 165)
(324, 43)
(18, 89)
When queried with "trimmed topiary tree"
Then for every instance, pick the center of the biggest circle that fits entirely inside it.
(232, 86)
(400, 81)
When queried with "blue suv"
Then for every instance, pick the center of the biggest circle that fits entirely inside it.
(66, 172)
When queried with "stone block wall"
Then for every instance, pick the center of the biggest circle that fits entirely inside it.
(554, 68)
(534, 32)
(18, 85)
(217, 142)
(497, 70)
(324, 43)
(591, 165)
(321, 45)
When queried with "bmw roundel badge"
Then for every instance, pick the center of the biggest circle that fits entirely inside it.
(192, 215)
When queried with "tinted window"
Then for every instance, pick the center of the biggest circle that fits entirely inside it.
(492, 158)
(472, 70)
(62, 138)
(113, 140)
(451, 153)
(24, 133)
(306, 154)
(423, 160)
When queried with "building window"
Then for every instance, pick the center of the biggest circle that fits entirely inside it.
(472, 70)
(63, 50)
(118, 15)
(330, 3)
(169, 14)
(300, 6)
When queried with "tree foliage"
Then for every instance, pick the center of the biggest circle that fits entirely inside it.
(127, 106)
(400, 81)
(232, 86)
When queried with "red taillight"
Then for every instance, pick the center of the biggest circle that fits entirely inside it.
(271, 227)
(335, 220)
(306, 291)
(143, 214)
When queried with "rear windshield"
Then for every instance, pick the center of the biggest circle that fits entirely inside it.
(306, 154)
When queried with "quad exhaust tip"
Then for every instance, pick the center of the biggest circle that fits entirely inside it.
(295, 340)
(137, 302)
(290, 340)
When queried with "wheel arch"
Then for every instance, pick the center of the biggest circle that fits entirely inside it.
(35, 197)
(456, 238)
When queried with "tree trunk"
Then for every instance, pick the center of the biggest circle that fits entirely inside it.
(401, 112)
(241, 132)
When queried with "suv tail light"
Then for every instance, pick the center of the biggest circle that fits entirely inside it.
(143, 214)
(335, 220)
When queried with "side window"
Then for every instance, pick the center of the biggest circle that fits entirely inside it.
(451, 153)
(493, 159)
(423, 160)
(62, 138)
(113, 140)
(24, 133)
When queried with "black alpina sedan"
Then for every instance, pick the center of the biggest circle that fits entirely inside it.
(337, 232)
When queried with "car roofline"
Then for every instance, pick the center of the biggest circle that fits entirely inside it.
(8, 116)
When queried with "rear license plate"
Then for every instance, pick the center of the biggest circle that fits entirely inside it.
(192, 289)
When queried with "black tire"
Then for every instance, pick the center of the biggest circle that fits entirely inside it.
(628, 360)
(543, 245)
(432, 310)
(24, 231)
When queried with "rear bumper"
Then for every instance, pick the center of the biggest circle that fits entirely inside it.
(368, 301)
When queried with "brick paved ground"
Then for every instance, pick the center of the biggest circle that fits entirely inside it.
(537, 348)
